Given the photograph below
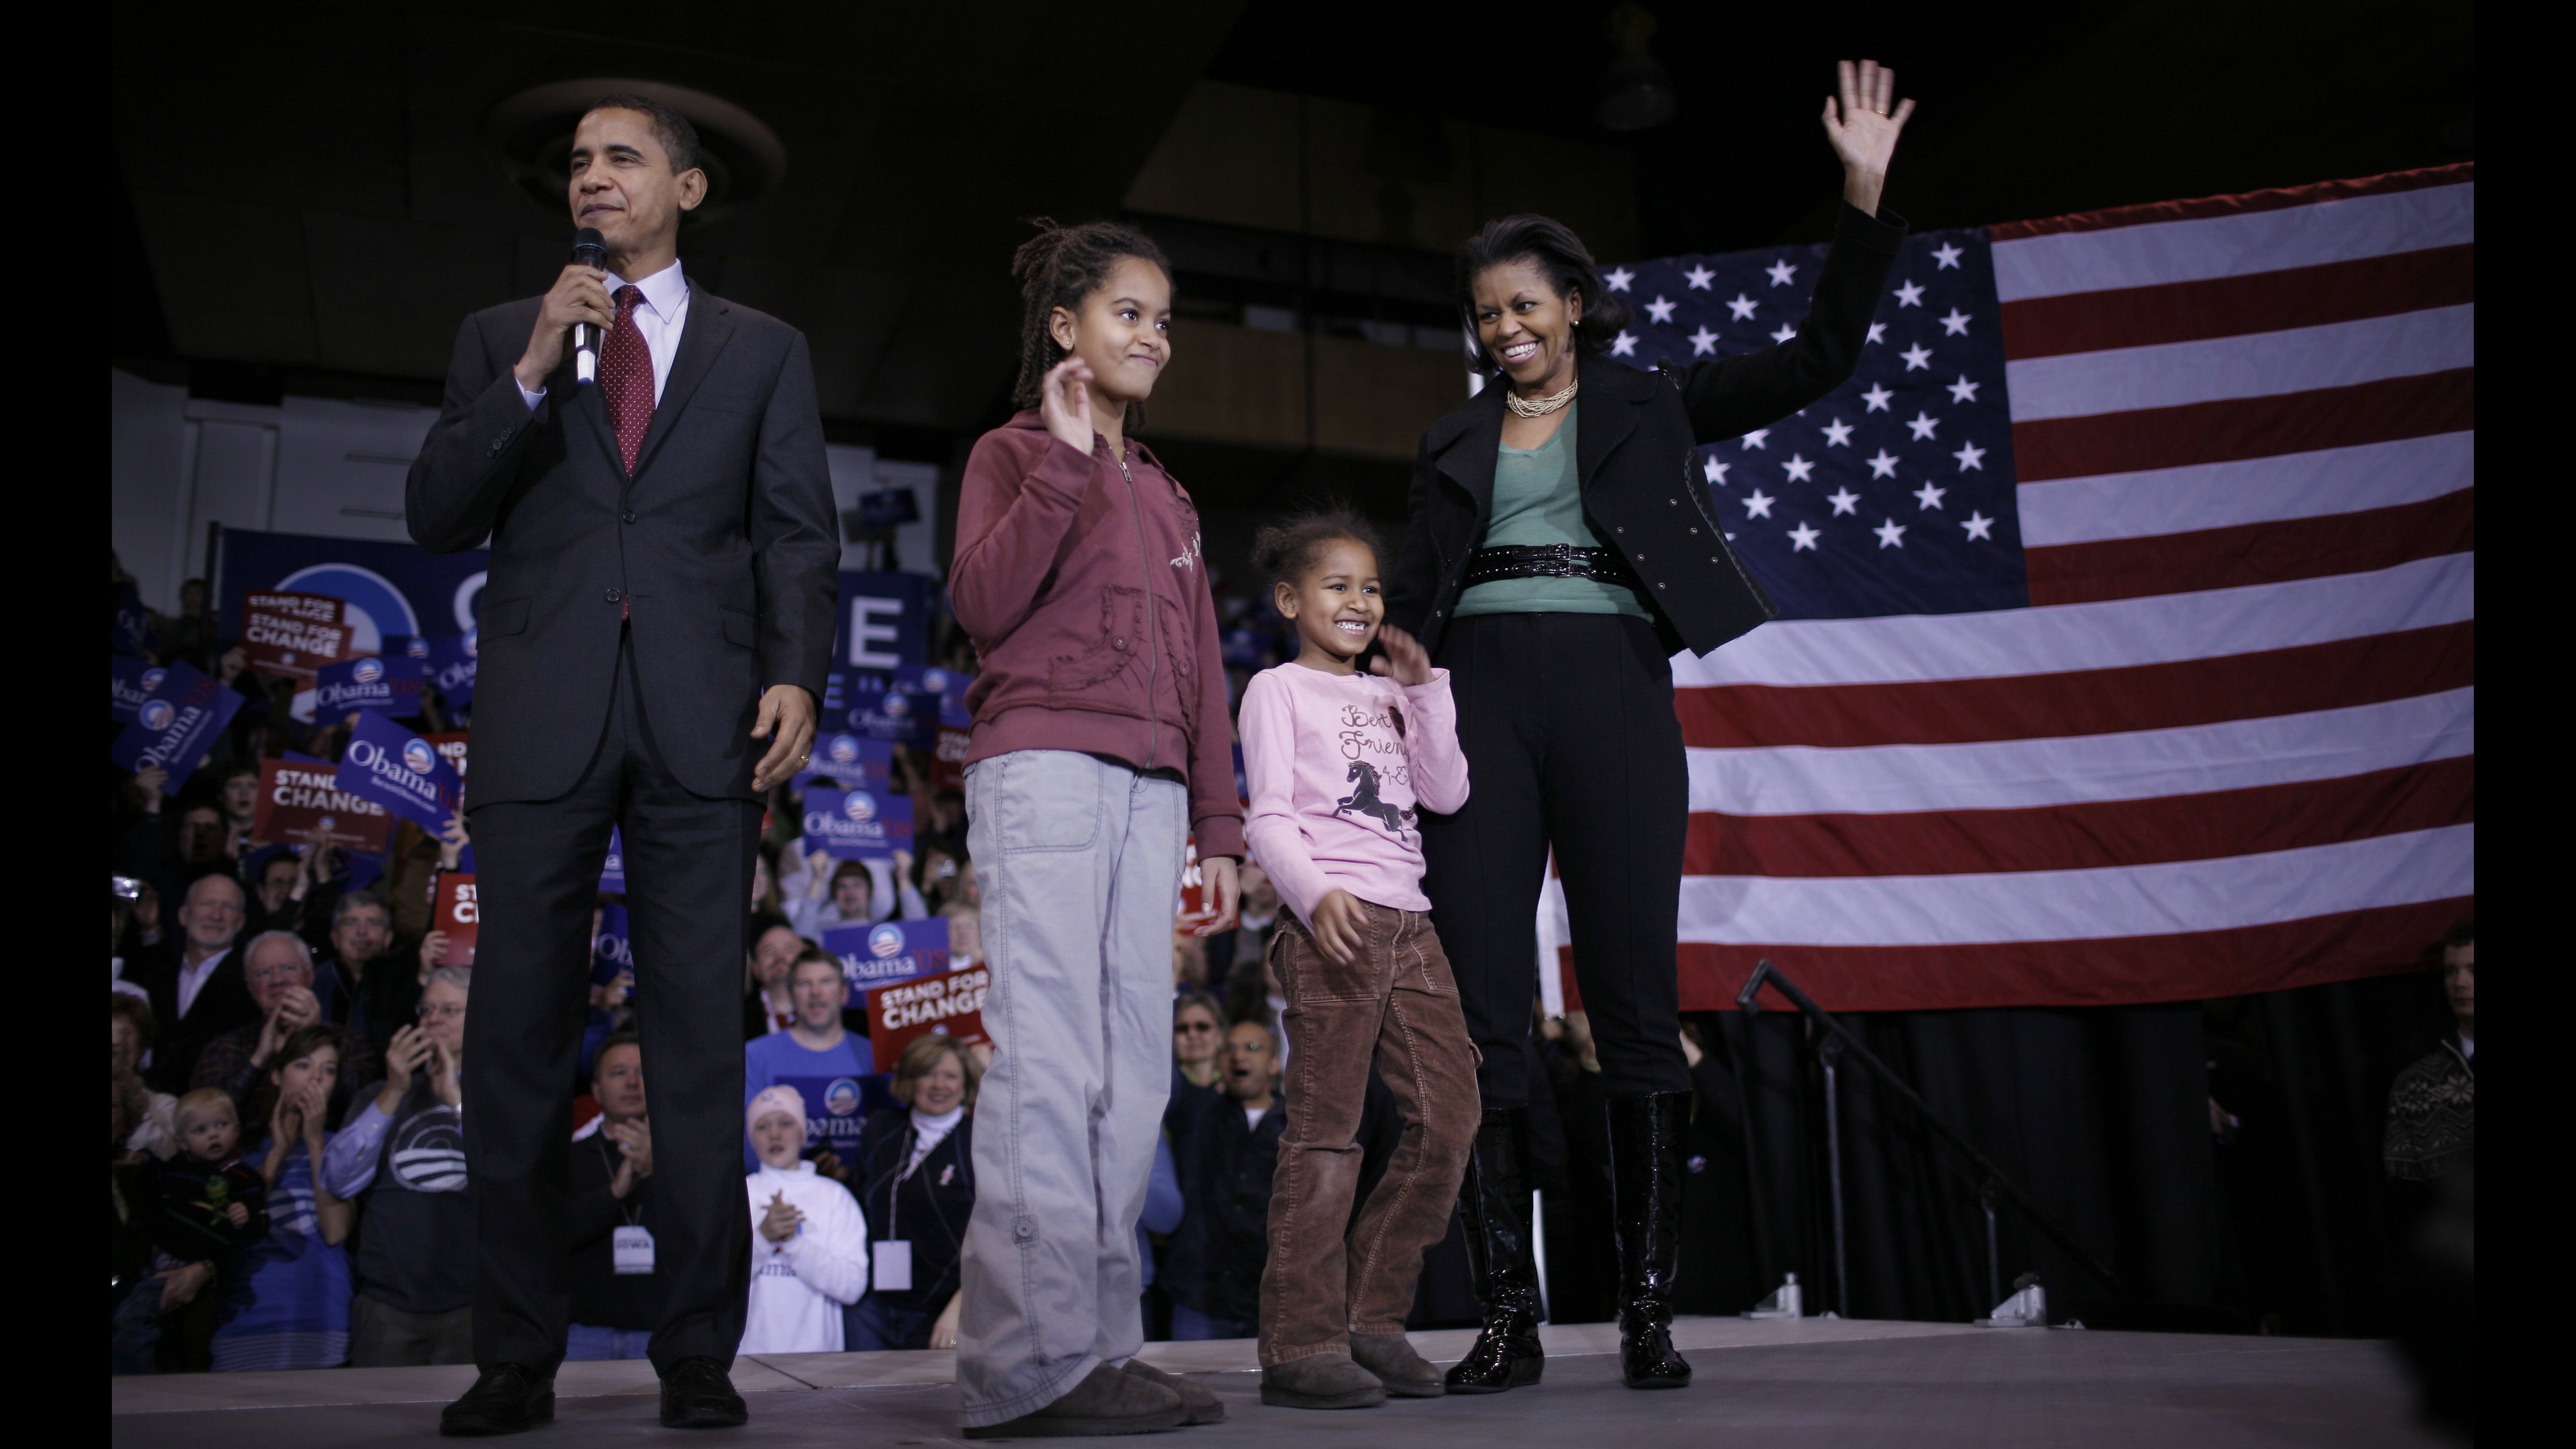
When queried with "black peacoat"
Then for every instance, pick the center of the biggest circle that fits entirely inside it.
(1641, 494)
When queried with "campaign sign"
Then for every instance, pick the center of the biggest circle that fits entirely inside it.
(402, 772)
(836, 1108)
(450, 745)
(298, 797)
(889, 952)
(612, 871)
(131, 632)
(391, 589)
(857, 824)
(1198, 894)
(293, 634)
(451, 667)
(384, 684)
(179, 720)
(455, 913)
(872, 704)
(885, 620)
(130, 681)
(612, 949)
(948, 758)
(951, 1003)
(851, 761)
(405, 646)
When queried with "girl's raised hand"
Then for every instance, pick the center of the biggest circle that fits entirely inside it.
(1405, 661)
(1064, 400)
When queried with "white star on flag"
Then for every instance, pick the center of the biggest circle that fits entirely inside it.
(1758, 438)
(1838, 434)
(1742, 307)
(1784, 333)
(1909, 295)
(1891, 534)
(1882, 466)
(1715, 470)
(1877, 398)
(1844, 501)
(1916, 356)
(1923, 424)
(1971, 458)
(1945, 257)
(1979, 525)
(1757, 504)
(1928, 496)
(1703, 343)
(1963, 390)
(1802, 537)
(1660, 311)
(1623, 345)
(1799, 469)
(1699, 278)
(1618, 278)
(1956, 324)
(1781, 272)
(1878, 332)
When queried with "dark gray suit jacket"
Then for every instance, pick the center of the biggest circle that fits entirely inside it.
(723, 545)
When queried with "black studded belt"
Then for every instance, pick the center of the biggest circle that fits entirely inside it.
(1548, 561)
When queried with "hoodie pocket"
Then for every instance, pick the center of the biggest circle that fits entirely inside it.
(1120, 641)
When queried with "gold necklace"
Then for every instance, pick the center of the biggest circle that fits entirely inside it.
(1540, 407)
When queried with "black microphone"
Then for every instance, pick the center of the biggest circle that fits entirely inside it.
(588, 250)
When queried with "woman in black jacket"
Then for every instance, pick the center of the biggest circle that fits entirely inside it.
(915, 1180)
(1553, 566)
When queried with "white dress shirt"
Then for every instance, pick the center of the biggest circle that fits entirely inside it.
(658, 318)
(192, 979)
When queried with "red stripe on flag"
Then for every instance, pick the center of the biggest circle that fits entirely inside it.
(2339, 674)
(2232, 306)
(2254, 553)
(2251, 427)
(2120, 971)
(2093, 836)
(2278, 199)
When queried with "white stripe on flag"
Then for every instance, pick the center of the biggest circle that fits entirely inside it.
(2253, 490)
(2077, 905)
(2254, 364)
(2114, 634)
(2077, 769)
(2157, 253)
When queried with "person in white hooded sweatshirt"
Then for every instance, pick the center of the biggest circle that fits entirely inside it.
(809, 1248)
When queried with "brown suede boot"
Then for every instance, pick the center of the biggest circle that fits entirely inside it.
(1390, 1356)
(1105, 1402)
(1321, 1381)
(1202, 1406)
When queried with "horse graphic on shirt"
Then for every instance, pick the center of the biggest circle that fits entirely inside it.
(1364, 800)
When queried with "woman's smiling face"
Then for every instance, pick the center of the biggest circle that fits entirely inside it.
(1526, 326)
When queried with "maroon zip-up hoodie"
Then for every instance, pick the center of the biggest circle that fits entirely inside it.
(1057, 555)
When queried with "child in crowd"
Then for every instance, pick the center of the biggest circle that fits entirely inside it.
(213, 1205)
(1339, 762)
(292, 1310)
(809, 1245)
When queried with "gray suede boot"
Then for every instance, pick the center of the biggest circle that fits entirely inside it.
(1390, 1356)
(1321, 1381)
(1202, 1406)
(1105, 1402)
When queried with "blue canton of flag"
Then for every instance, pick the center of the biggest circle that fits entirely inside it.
(1894, 493)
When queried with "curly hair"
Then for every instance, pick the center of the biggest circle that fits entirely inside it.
(1561, 255)
(1284, 551)
(1060, 267)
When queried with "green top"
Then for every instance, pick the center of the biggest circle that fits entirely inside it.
(1538, 499)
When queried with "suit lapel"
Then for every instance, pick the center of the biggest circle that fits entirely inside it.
(701, 338)
(587, 406)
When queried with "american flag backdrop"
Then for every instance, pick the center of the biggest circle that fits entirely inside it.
(2126, 648)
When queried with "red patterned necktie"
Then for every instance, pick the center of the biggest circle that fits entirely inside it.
(626, 378)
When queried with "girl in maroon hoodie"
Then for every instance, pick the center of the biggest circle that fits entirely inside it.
(1100, 744)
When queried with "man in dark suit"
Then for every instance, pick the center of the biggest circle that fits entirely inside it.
(194, 979)
(660, 601)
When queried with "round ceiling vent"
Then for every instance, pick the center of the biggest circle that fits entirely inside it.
(531, 132)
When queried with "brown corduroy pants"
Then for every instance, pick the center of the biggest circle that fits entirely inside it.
(1397, 1005)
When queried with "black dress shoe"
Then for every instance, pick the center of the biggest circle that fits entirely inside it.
(508, 1398)
(697, 1394)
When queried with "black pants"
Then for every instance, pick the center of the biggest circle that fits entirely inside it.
(688, 873)
(1568, 726)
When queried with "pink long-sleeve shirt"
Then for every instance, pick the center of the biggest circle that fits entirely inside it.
(1337, 781)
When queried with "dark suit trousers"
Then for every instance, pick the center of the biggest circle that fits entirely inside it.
(1568, 727)
(688, 877)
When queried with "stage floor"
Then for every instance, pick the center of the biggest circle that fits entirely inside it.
(1823, 1382)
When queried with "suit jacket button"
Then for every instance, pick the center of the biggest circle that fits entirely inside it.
(614, 596)
(499, 443)
(631, 518)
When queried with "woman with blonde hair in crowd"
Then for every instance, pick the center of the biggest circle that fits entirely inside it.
(916, 1180)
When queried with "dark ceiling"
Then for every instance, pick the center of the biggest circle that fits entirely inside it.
(311, 194)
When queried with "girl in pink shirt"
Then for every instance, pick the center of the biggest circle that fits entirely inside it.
(1341, 762)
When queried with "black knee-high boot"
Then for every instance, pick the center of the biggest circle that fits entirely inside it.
(1646, 1206)
(1496, 1201)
